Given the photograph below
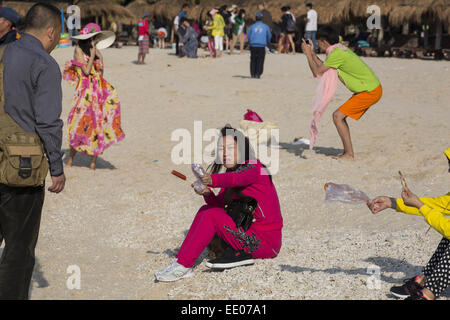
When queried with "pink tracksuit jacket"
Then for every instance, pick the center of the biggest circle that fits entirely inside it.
(262, 240)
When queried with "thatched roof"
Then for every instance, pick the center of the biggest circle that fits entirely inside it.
(326, 9)
(22, 7)
(420, 11)
(109, 9)
(139, 7)
(329, 11)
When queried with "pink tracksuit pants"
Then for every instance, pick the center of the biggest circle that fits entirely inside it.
(211, 220)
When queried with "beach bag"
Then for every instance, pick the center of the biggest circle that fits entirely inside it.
(290, 23)
(22, 159)
(252, 116)
(242, 211)
(258, 132)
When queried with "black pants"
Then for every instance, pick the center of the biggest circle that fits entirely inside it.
(20, 217)
(437, 271)
(177, 44)
(257, 56)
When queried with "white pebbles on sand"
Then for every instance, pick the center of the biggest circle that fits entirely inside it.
(127, 219)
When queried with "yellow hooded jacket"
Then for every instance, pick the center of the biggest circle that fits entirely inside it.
(436, 211)
(218, 26)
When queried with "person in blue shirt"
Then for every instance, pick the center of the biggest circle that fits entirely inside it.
(259, 37)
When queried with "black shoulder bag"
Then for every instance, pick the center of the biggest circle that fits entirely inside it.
(241, 210)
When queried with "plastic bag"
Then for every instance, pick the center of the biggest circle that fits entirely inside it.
(252, 116)
(198, 172)
(344, 193)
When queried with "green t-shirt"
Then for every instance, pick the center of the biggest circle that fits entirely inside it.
(357, 76)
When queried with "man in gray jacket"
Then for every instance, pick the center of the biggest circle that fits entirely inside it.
(33, 98)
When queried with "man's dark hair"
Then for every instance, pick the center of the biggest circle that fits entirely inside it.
(328, 33)
(309, 5)
(285, 8)
(185, 5)
(41, 16)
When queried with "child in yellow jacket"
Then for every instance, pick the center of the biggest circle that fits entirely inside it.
(218, 32)
(436, 212)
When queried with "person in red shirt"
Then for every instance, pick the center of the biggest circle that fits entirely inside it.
(144, 38)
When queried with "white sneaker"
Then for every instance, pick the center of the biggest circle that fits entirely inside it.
(174, 272)
(170, 266)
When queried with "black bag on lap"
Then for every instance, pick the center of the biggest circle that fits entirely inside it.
(242, 211)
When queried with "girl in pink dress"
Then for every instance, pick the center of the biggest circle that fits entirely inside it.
(94, 122)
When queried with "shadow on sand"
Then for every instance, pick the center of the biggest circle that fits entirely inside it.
(37, 277)
(82, 160)
(385, 264)
(299, 149)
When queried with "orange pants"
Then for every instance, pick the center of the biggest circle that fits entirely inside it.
(359, 103)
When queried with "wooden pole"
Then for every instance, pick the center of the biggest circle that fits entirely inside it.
(438, 39)
(425, 36)
(405, 29)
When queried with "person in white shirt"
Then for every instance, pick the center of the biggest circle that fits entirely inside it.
(311, 25)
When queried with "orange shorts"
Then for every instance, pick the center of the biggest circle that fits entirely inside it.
(358, 104)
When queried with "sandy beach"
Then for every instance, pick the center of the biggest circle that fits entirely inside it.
(127, 219)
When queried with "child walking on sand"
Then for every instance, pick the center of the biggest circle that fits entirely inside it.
(340, 63)
(436, 211)
(245, 176)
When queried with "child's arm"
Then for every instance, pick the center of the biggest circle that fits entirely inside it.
(436, 219)
(86, 68)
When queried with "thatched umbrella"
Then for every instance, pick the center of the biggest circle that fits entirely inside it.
(423, 11)
(22, 7)
(139, 7)
(106, 10)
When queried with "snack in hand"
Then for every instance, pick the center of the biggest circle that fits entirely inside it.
(179, 175)
(402, 179)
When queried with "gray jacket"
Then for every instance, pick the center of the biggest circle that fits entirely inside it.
(33, 95)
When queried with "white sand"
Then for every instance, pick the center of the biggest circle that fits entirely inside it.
(127, 219)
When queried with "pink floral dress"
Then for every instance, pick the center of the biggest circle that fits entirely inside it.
(94, 121)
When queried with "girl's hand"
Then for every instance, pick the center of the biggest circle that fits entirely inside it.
(206, 192)
(92, 52)
(410, 199)
(206, 179)
(379, 204)
(98, 53)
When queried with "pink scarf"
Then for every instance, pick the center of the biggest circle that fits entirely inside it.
(324, 93)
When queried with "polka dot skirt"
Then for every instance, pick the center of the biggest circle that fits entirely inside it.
(437, 271)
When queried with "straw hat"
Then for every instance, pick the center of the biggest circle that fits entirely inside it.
(105, 38)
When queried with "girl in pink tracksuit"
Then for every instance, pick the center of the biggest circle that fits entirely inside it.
(251, 178)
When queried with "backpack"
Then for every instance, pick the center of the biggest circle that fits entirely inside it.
(22, 158)
(290, 24)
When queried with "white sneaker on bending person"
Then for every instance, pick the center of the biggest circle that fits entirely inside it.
(173, 272)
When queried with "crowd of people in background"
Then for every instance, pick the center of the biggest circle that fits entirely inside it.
(224, 29)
